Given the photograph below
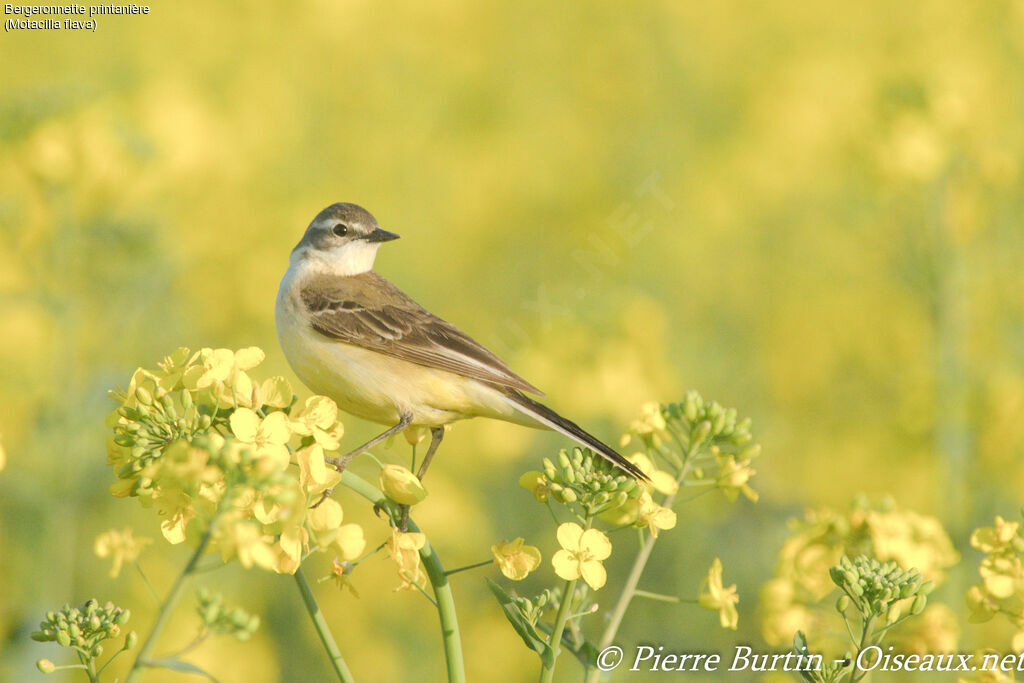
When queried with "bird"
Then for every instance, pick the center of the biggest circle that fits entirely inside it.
(353, 336)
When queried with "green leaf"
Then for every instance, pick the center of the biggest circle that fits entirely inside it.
(526, 630)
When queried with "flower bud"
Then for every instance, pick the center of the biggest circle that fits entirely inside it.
(842, 603)
(701, 432)
(46, 666)
(401, 485)
(131, 640)
(920, 602)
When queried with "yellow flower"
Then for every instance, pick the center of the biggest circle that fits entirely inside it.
(536, 483)
(719, 599)
(173, 368)
(911, 540)
(650, 426)
(581, 554)
(404, 549)
(291, 546)
(350, 541)
(325, 517)
(121, 546)
(341, 571)
(400, 485)
(312, 466)
(1003, 576)
(220, 366)
(275, 392)
(654, 516)
(266, 437)
(733, 477)
(514, 559)
(318, 417)
(995, 539)
(246, 541)
(661, 481)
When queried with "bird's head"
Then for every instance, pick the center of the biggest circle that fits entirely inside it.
(343, 238)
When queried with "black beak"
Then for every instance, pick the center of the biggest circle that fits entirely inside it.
(381, 235)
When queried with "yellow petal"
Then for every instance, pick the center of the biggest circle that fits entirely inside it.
(664, 482)
(596, 543)
(568, 535)
(326, 516)
(174, 529)
(248, 358)
(593, 573)
(351, 541)
(275, 428)
(312, 464)
(565, 565)
(245, 424)
(276, 392)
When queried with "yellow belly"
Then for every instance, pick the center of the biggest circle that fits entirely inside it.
(382, 388)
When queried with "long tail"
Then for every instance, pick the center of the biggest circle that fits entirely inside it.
(550, 418)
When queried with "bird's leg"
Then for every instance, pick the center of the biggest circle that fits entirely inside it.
(436, 434)
(341, 463)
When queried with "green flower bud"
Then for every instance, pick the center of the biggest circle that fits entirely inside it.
(690, 406)
(46, 666)
(143, 396)
(131, 640)
(563, 460)
(842, 603)
(701, 432)
(920, 602)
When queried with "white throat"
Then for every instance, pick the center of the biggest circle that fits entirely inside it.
(351, 258)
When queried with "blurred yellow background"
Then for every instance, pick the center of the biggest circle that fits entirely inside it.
(807, 210)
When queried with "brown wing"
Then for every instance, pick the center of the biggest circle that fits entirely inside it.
(368, 311)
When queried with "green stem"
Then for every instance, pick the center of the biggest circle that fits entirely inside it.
(164, 615)
(630, 589)
(322, 629)
(435, 572)
(660, 597)
(547, 671)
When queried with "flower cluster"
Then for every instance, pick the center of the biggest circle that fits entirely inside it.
(84, 629)
(219, 619)
(702, 442)
(1001, 590)
(880, 590)
(795, 599)
(211, 449)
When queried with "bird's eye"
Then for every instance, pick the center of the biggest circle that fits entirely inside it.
(340, 229)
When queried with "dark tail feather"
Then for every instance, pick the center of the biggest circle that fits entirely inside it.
(550, 418)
